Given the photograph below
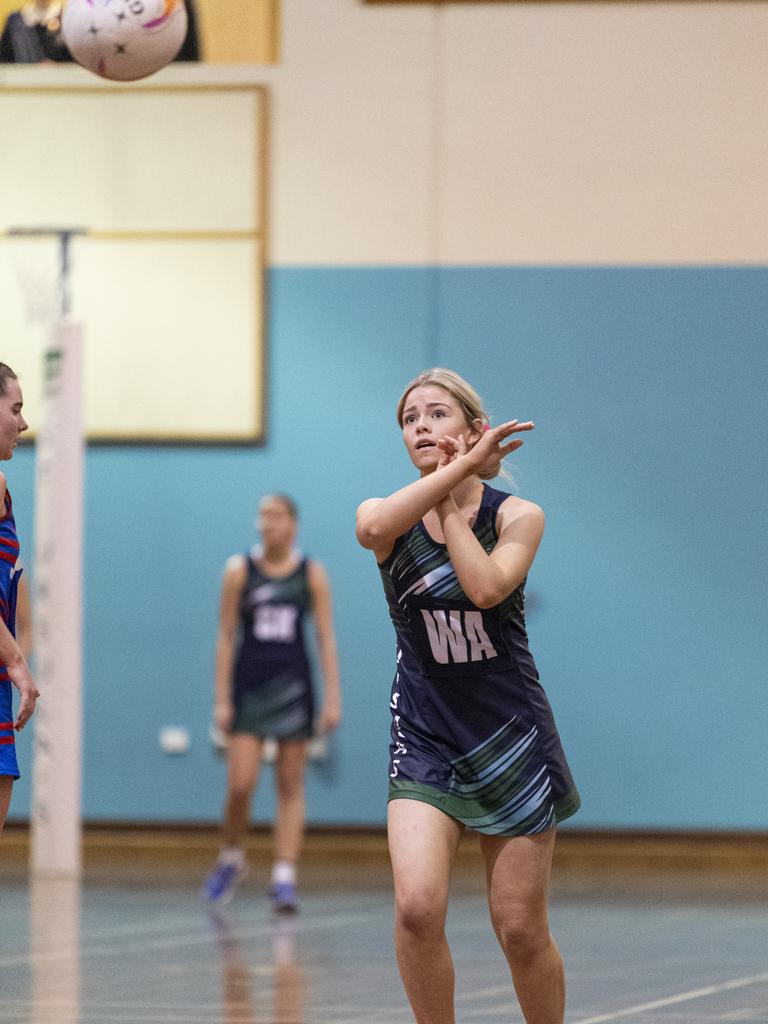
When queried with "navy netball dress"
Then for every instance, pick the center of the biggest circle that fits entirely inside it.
(472, 730)
(272, 680)
(10, 573)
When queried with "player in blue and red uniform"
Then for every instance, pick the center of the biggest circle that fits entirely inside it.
(13, 667)
(474, 742)
(264, 690)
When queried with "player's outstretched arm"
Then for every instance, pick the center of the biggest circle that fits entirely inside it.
(322, 613)
(380, 521)
(21, 677)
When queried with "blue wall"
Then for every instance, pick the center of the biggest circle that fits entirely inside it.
(648, 598)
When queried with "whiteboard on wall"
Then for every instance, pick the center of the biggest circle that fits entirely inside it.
(169, 185)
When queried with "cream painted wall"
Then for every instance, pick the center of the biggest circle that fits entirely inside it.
(606, 133)
(512, 134)
(353, 103)
(530, 133)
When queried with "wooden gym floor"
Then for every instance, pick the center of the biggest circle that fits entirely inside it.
(653, 930)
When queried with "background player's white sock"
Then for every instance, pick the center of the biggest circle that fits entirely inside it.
(283, 871)
(232, 855)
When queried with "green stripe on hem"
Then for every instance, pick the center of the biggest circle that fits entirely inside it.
(418, 791)
(567, 805)
(407, 789)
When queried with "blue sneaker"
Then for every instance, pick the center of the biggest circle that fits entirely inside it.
(283, 898)
(220, 885)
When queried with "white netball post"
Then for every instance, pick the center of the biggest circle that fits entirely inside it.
(56, 830)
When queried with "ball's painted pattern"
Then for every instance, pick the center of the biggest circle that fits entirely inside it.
(124, 39)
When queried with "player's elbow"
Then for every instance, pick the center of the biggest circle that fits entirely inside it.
(370, 530)
(484, 597)
(487, 593)
(365, 538)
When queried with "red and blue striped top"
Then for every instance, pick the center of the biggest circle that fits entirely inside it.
(10, 570)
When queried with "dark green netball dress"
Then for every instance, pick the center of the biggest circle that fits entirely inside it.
(472, 730)
(273, 694)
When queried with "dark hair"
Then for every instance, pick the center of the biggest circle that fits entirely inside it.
(6, 374)
(289, 503)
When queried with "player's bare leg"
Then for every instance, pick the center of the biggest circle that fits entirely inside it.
(517, 876)
(422, 845)
(6, 788)
(291, 803)
(289, 824)
(243, 766)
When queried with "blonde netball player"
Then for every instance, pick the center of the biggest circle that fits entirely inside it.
(474, 743)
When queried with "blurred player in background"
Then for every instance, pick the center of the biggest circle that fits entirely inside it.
(264, 690)
(13, 666)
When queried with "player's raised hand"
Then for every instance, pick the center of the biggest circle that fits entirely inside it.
(485, 454)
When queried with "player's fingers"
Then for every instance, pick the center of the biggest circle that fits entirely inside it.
(507, 448)
(496, 435)
(513, 427)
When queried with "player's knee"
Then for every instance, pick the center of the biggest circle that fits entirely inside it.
(420, 914)
(521, 936)
(290, 784)
(240, 789)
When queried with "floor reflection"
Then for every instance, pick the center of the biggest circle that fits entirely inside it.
(54, 943)
(239, 977)
(685, 946)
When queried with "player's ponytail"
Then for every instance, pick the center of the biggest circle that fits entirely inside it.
(469, 401)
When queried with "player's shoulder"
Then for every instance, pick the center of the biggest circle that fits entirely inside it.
(3, 491)
(513, 503)
(236, 565)
(514, 508)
